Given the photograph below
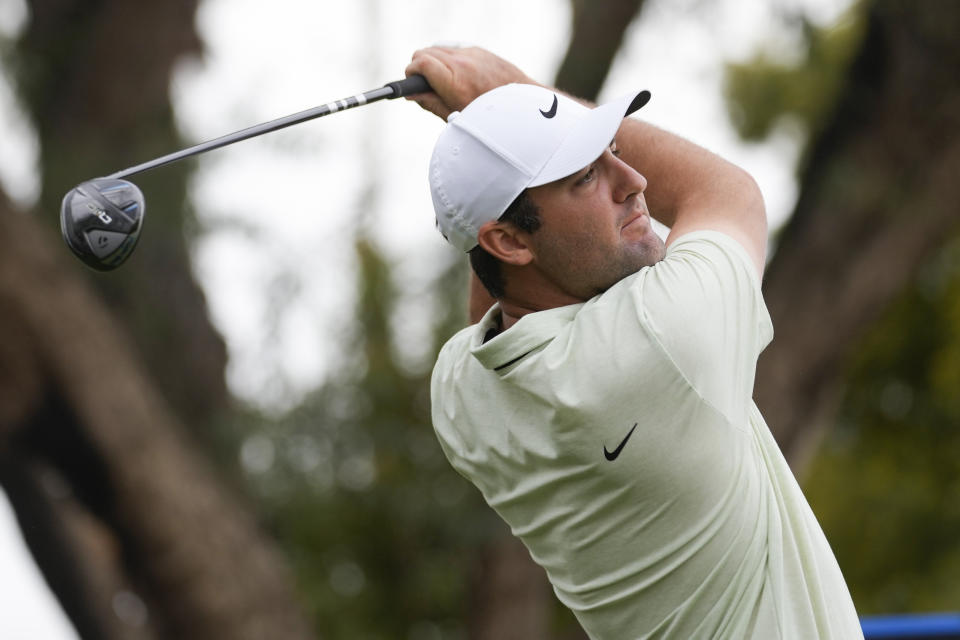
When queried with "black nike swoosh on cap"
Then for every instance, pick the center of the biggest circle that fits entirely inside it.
(553, 109)
(613, 455)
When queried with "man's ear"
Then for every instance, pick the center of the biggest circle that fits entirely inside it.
(505, 242)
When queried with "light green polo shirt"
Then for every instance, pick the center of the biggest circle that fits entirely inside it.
(619, 441)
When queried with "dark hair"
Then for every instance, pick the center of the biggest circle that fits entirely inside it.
(524, 214)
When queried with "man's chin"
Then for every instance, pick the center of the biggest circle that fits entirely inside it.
(660, 250)
(649, 257)
(651, 251)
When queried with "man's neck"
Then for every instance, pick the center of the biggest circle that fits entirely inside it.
(507, 318)
(529, 291)
(511, 311)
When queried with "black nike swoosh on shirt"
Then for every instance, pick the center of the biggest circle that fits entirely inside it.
(612, 455)
(553, 109)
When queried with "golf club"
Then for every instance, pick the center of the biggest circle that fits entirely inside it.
(101, 218)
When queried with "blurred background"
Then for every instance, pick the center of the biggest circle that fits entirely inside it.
(229, 437)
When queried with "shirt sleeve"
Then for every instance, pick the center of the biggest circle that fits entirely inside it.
(704, 306)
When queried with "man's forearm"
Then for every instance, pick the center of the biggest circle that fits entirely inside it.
(680, 174)
(691, 188)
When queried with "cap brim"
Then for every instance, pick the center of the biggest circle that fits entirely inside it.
(588, 138)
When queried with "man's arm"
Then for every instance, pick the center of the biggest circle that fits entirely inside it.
(690, 188)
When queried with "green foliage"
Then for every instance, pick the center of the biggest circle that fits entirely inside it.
(762, 92)
(381, 532)
(886, 484)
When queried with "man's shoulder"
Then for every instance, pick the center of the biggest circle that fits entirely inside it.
(458, 352)
(688, 258)
(458, 344)
(701, 270)
(713, 249)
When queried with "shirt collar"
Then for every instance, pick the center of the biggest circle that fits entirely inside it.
(530, 332)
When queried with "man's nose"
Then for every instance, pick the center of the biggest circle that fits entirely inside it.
(628, 182)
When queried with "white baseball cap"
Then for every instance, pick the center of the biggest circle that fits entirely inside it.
(508, 139)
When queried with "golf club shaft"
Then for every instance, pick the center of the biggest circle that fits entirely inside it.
(397, 89)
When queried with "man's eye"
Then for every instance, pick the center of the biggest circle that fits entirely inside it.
(587, 177)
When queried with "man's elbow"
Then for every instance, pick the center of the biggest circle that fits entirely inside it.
(751, 199)
(753, 215)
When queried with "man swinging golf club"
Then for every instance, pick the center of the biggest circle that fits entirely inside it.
(602, 401)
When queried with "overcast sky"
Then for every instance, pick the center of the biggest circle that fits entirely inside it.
(276, 257)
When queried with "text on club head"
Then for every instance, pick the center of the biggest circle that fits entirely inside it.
(100, 213)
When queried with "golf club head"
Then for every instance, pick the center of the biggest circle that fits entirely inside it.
(101, 221)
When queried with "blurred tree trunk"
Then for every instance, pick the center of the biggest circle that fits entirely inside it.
(598, 29)
(105, 484)
(128, 522)
(878, 197)
(511, 595)
(95, 77)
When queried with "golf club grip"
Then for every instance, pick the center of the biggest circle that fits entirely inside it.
(409, 86)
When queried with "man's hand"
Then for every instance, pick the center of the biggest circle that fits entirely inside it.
(457, 76)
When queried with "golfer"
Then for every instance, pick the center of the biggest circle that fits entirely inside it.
(601, 402)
